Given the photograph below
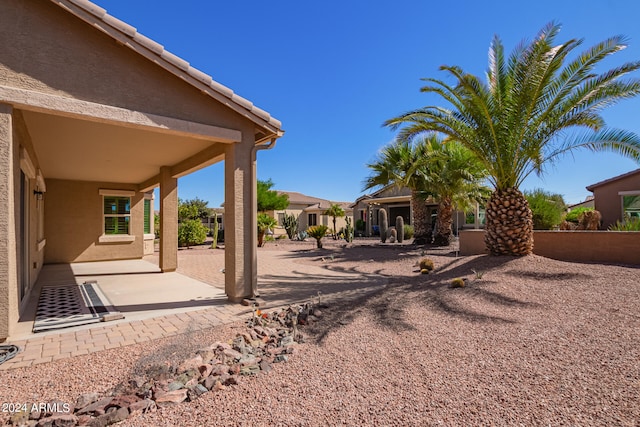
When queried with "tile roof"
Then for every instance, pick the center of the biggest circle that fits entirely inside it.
(314, 203)
(129, 36)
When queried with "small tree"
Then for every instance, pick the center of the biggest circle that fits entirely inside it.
(317, 232)
(265, 222)
(334, 212)
(192, 209)
(270, 200)
(191, 232)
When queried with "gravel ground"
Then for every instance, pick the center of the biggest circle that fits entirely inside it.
(533, 342)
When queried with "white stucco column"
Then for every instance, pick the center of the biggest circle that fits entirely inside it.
(8, 270)
(240, 211)
(168, 220)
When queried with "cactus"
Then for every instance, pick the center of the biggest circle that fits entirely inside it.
(458, 282)
(426, 264)
(216, 228)
(348, 230)
(290, 223)
(400, 228)
(384, 224)
(393, 235)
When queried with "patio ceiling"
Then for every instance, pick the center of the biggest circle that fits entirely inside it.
(75, 149)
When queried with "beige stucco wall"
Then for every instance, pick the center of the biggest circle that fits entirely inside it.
(56, 53)
(607, 200)
(580, 246)
(8, 279)
(303, 219)
(74, 223)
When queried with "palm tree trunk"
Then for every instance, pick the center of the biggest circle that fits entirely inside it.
(335, 234)
(443, 234)
(509, 223)
(420, 228)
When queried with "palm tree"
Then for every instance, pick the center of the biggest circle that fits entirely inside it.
(517, 121)
(398, 164)
(454, 177)
(334, 211)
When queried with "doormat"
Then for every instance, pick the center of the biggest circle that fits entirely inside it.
(65, 306)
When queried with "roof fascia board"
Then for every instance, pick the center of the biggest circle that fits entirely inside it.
(74, 108)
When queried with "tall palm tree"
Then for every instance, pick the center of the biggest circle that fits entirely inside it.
(398, 164)
(334, 211)
(454, 177)
(517, 121)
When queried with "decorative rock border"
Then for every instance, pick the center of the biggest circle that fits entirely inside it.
(270, 338)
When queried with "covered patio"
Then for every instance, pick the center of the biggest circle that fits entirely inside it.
(93, 117)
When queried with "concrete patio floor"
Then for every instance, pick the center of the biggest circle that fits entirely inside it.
(136, 288)
(158, 305)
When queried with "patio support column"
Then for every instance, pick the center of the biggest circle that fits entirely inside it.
(240, 211)
(8, 268)
(168, 220)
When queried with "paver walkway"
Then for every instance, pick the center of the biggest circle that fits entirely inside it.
(282, 281)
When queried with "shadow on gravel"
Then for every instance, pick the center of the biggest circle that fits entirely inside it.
(432, 291)
(541, 275)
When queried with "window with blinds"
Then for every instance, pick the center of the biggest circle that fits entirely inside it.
(117, 215)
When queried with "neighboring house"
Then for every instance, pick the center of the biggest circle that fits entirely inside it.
(617, 197)
(93, 117)
(587, 203)
(397, 202)
(309, 211)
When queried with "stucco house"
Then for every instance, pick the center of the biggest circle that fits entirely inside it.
(309, 211)
(617, 197)
(93, 117)
(397, 202)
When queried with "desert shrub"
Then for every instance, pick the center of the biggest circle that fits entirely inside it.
(629, 224)
(191, 232)
(408, 231)
(426, 264)
(547, 209)
(574, 214)
(458, 282)
(360, 225)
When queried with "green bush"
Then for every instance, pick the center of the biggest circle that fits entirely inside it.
(408, 231)
(191, 232)
(574, 214)
(547, 209)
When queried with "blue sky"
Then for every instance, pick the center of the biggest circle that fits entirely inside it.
(334, 71)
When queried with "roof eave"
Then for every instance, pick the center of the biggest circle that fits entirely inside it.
(128, 36)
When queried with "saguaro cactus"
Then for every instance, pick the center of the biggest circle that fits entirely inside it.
(384, 224)
(400, 228)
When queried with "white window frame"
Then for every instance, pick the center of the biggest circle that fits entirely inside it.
(626, 193)
(116, 238)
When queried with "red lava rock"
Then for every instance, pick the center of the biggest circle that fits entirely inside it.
(142, 405)
(123, 401)
(96, 408)
(205, 370)
(58, 420)
(171, 397)
(192, 363)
